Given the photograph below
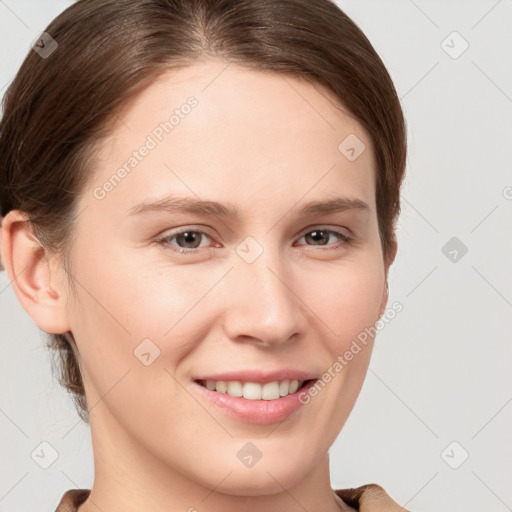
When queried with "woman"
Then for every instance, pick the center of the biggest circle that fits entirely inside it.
(171, 171)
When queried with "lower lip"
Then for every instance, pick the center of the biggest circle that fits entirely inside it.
(255, 411)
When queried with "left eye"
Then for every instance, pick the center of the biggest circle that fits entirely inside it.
(188, 241)
(321, 235)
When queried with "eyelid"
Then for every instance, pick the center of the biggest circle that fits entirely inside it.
(319, 227)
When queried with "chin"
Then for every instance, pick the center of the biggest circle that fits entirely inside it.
(260, 482)
(278, 467)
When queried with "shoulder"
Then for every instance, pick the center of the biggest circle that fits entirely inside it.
(369, 498)
(72, 499)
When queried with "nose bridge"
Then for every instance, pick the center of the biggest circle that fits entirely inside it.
(263, 305)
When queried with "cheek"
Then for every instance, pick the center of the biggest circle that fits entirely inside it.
(131, 308)
(136, 297)
(346, 299)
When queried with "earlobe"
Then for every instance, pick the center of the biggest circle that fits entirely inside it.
(31, 274)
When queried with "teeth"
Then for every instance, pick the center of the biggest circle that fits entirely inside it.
(294, 385)
(235, 388)
(254, 390)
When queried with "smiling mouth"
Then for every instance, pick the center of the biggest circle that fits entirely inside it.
(254, 390)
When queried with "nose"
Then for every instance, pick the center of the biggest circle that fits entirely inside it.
(262, 308)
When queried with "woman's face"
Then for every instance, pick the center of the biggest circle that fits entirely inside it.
(272, 294)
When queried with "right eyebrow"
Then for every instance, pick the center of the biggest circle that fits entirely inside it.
(186, 205)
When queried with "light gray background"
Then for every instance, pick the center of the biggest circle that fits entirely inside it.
(440, 371)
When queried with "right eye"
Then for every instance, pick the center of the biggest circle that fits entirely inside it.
(187, 240)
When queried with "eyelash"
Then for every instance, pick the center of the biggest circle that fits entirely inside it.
(345, 239)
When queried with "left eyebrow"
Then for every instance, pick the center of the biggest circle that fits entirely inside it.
(337, 204)
(213, 208)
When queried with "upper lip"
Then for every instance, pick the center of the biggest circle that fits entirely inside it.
(258, 376)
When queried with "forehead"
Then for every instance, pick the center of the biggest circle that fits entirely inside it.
(213, 128)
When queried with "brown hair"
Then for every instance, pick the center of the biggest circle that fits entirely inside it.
(58, 108)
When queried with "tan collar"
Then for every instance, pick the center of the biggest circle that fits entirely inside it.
(369, 498)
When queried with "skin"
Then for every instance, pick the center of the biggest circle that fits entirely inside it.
(267, 144)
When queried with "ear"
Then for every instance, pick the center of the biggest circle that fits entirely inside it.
(390, 259)
(32, 272)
